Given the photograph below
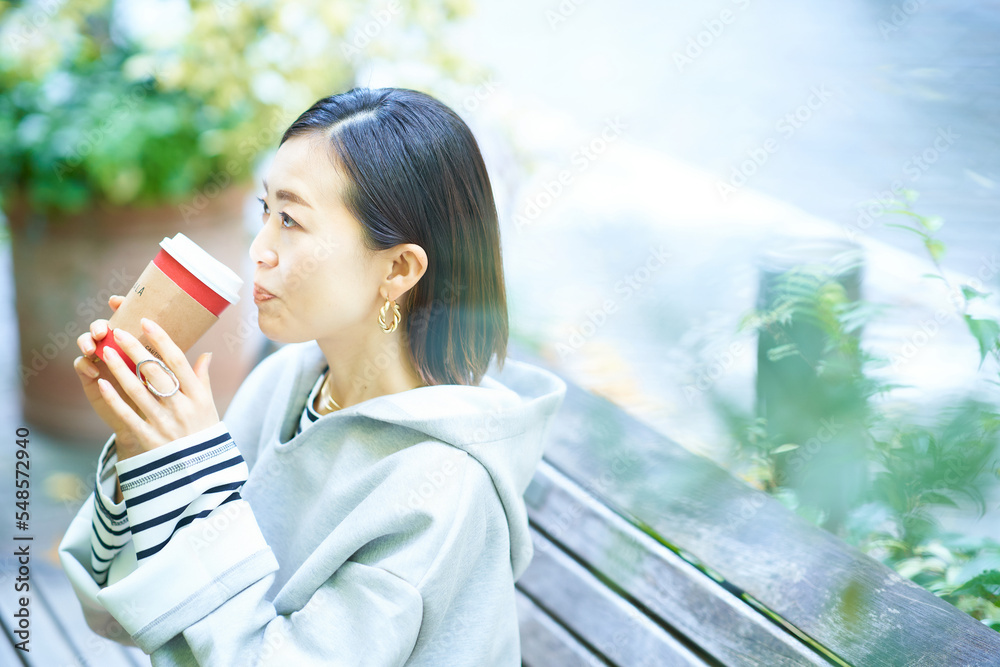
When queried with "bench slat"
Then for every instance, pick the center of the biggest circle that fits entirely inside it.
(8, 654)
(544, 642)
(677, 592)
(585, 605)
(47, 645)
(56, 594)
(853, 605)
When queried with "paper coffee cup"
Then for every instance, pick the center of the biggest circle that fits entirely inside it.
(183, 289)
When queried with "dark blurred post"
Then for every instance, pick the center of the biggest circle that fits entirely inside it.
(812, 397)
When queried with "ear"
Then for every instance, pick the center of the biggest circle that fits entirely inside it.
(407, 264)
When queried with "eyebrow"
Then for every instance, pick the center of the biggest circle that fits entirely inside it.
(288, 196)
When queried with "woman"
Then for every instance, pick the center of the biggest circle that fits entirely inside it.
(361, 502)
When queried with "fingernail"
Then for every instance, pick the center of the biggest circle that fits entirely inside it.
(92, 372)
(104, 384)
(147, 326)
(110, 352)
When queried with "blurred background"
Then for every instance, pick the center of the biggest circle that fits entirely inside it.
(767, 229)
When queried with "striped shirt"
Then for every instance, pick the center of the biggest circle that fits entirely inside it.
(309, 414)
(167, 488)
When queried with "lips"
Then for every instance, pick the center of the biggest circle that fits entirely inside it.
(261, 294)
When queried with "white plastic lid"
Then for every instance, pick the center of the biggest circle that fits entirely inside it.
(205, 268)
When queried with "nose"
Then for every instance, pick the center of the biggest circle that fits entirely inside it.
(261, 251)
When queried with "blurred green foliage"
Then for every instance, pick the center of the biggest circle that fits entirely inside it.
(915, 463)
(93, 109)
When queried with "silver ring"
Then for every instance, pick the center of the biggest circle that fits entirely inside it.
(152, 390)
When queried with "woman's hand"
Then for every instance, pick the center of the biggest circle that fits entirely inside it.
(187, 411)
(88, 373)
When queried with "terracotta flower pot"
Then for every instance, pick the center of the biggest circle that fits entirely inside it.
(64, 271)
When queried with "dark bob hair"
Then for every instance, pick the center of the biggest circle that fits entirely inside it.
(415, 175)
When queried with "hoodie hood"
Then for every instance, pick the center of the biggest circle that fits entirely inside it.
(502, 423)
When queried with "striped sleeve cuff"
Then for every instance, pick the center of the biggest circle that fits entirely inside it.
(109, 527)
(169, 487)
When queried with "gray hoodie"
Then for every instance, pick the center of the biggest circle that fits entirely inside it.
(387, 533)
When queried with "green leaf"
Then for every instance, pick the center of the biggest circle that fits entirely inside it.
(787, 447)
(780, 352)
(932, 223)
(933, 275)
(937, 498)
(909, 229)
(985, 585)
(883, 203)
(983, 559)
(972, 293)
(904, 211)
(935, 248)
(986, 333)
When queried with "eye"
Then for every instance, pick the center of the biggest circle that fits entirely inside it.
(286, 222)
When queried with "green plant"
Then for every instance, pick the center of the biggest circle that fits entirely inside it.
(96, 108)
(813, 390)
(916, 464)
(986, 330)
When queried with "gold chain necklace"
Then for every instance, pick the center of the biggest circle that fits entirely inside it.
(327, 404)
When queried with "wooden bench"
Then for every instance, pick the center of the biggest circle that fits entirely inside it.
(732, 577)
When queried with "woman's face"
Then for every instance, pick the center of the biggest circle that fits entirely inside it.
(308, 252)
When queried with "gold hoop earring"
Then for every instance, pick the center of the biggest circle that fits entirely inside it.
(395, 317)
